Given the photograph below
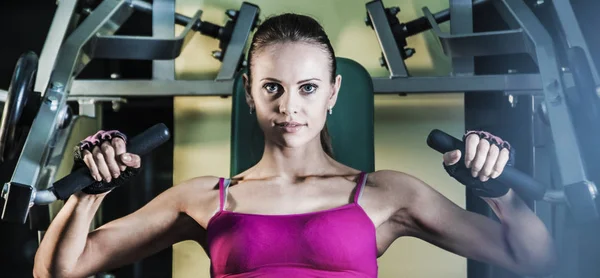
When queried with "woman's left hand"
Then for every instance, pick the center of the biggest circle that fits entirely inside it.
(486, 160)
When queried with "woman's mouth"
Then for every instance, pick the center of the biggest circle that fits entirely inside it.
(290, 127)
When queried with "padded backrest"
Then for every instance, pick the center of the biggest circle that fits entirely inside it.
(350, 125)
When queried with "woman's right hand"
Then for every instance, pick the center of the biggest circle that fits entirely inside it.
(109, 159)
(69, 249)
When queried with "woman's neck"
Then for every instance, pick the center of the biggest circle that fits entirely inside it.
(293, 163)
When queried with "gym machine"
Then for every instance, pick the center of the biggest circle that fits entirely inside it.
(562, 92)
(36, 126)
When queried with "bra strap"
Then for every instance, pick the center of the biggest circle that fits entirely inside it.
(221, 194)
(362, 180)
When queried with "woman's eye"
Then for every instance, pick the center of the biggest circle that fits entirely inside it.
(271, 87)
(309, 88)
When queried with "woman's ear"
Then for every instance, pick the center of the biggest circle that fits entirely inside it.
(247, 89)
(335, 90)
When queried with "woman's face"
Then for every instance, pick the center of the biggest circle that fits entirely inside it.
(291, 92)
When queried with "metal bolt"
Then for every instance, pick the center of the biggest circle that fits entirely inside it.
(564, 69)
(593, 190)
(217, 54)
(245, 63)
(53, 102)
(368, 21)
(231, 13)
(394, 10)
(512, 71)
(65, 117)
(552, 85)
(57, 86)
(4, 191)
(556, 100)
(116, 106)
(543, 112)
(115, 76)
(512, 100)
(409, 52)
(539, 2)
(382, 62)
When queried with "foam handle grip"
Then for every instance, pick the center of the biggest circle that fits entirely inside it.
(523, 184)
(141, 144)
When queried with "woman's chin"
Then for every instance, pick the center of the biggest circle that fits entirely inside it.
(288, 140)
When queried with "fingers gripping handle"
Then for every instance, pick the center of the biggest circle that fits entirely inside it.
(523, 184)
(141, 144)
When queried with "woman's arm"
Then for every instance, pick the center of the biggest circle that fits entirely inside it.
(520, 242)
(68, 250)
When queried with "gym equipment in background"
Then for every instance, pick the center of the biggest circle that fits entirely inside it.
(93, 38)
(529, 36)
(557, 88)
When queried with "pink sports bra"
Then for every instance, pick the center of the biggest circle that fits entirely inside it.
(337, 242)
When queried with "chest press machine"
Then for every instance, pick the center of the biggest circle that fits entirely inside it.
(562, 92)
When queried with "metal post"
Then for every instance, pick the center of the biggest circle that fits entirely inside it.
(71, 59)
(246, 19)
(58, 31)
(391, 53)
(461, 14)
(543, 155)
(461, 22)
(163, 25)
(572, 32)
(570, 163)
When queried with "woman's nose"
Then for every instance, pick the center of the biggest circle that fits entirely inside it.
(288, 104)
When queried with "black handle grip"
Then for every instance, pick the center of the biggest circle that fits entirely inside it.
(523, 184)
(141, 144)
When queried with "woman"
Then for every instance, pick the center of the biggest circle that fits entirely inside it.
(297, 212)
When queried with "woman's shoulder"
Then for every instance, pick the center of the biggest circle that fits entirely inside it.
(197, 186)
(392, 180)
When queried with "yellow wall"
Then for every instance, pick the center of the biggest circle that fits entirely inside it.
(202, 124)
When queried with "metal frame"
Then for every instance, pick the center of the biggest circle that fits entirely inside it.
(547, 88)
(467, 45)
(59, 29)
(163, 18)
(570, 163)
(72, 57)
(222, 85)
(139, 88)
(391, 53)
(534, 40)
(143, 48)
(461, 11)
(459, 46)
(572, 32)
(94, 38)
(519, 83)
(514, 83)
(247, 18)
